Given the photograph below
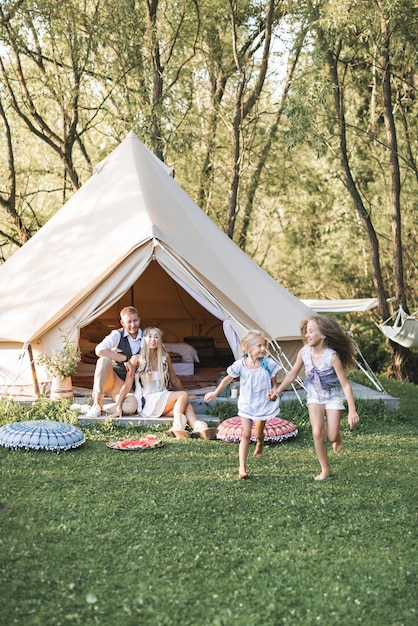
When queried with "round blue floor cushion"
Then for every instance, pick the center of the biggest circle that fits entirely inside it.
(41, 435)
(276, 430)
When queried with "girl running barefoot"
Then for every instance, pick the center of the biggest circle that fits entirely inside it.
(257, 374)
(328, 353)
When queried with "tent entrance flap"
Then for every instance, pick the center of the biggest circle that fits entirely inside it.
(169, 295)
(162, 302)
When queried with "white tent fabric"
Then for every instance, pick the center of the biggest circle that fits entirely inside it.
(342, 306)
(130, 214)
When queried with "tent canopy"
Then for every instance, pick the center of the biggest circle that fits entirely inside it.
(101, 250)
(342, 306)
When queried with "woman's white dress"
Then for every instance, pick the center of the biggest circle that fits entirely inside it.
(153, 389)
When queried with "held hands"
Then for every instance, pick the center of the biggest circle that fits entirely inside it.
(272, 395)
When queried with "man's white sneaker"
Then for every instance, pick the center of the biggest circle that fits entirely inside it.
(94, 411)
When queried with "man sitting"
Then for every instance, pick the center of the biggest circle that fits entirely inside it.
(114, 352)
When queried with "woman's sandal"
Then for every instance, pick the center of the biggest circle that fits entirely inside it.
(206, 434)
(180, 434)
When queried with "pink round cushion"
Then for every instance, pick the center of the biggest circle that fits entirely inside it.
(276, 430)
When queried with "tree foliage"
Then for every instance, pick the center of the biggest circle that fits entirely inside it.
(291, 123)
(356, 121)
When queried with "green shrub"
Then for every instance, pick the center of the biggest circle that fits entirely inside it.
(59, 410)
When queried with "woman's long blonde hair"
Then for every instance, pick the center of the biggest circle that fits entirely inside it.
(144, 355)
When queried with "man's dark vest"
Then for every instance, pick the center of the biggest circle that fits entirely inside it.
(125, 348)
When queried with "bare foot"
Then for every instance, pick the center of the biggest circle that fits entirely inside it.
(323, 475)
(242, 472)
(113, 411)
(258, 449)
(338, 445)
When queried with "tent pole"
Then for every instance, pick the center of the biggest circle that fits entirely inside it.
(34, 374)
(371, 378)
(365, 368)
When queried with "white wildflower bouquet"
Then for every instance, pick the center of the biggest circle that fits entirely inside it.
(61, 362)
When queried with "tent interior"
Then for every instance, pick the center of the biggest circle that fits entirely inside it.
(163, 303)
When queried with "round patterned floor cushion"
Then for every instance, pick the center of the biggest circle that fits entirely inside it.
(41, 435)
(276, 430)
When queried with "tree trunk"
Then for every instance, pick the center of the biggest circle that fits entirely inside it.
(255, 178)
(352, 187)
(394, 168)
(157, 73)
(218, 88)
(402, 365)
(243, 108)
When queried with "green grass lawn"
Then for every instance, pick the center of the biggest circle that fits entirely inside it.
(171, 536)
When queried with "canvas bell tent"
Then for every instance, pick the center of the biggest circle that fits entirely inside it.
(131, 235)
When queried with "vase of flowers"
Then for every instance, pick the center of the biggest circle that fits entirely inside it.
(62, 365)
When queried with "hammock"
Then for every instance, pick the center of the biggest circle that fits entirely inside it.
(404, 330)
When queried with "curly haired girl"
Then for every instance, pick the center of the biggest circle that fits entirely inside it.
(327, 354)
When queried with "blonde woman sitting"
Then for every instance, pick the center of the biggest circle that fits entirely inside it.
(153, 374)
